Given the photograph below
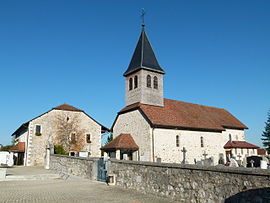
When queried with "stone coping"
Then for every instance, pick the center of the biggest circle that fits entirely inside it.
(75, 157)
(222, 169)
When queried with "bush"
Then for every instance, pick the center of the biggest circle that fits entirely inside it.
(59, 149)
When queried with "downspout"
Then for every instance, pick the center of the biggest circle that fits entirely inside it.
(26, 146)
(153, 145)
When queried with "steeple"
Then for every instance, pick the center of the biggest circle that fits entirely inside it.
(144, 76)
(143, 56)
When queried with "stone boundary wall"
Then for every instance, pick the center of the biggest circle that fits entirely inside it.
(77, 166)
(192, 183)
(183, 183)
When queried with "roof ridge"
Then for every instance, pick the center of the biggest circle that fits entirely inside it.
(196, 104)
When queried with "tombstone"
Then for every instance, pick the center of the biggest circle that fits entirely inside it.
(158, 160)
(125, 157)
(221, 159)
(233, 163)
(254, 161)
(199, 163)
(208, 162)
(263, 164)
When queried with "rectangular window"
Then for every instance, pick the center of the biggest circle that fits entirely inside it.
(88, 138)
(73, 137)
(38, 130)
(177, 140)
(242, 151)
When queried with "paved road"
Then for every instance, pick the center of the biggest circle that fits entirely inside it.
(70, 191)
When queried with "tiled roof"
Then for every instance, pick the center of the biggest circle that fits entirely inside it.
(261, 151)
(20, 147)
(143, 57)
(183, 115)
(122, 141)
(67, 107)
(239, 144)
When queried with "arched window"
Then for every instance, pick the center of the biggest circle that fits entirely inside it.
(148, 81)
(177, 140)
(202, 144)
(155, 82)
(230, 137)
(135, 81)
(130, 84)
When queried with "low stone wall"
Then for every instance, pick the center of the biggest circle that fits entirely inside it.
(191, 183)
(77, 166)
(183, 183)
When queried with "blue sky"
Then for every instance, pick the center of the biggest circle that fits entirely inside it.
(215, 53)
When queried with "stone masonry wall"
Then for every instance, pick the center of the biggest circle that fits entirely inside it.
(77, 166)
(191, 183)
(182, 183)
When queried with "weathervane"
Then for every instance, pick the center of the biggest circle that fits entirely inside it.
(142, 16)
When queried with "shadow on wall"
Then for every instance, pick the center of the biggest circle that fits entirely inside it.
(261, 195)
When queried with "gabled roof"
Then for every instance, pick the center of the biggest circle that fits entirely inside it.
(261, 151)
(122, 141)
(63, 107)
(143, 57)
(239, 144)
(67, 107)
(20, 147)
(187, 116)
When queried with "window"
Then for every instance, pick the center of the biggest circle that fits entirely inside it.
(148, 81)
(242, 151)
(230, 137)
(130, 84)
(135, 81)
(155, 82)
(73, 137)
(202, 144)
(38, 130)
(88, 138)
(236, 137)
(235, 151)
(177, 140)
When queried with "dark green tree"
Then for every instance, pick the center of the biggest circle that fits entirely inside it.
(266, 134)
(109, 138)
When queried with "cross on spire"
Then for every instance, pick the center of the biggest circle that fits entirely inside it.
(142, 16)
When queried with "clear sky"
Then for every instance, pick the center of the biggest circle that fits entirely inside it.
(215, 53)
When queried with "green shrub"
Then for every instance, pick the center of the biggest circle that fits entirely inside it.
(59, 149)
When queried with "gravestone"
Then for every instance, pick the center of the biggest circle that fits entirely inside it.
(233, 163)
(256, 161)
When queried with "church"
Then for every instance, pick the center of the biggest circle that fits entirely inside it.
(151, 128)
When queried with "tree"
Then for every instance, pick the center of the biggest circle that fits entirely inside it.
(109, 138)
(70, 134)
(266, 134)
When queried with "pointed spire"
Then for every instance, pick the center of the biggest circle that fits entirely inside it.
(143, 56)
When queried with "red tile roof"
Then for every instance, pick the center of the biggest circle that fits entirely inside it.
(67, 107)
(183, 115)
(20, 147)
(239, 144)
(261, 151)
(122, 141)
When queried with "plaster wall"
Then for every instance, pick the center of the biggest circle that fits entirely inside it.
(213, 143)
(133, 123)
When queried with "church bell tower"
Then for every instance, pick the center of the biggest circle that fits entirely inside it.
(144, 76)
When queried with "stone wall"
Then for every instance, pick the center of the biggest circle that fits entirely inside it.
(50, 123)
(77, 166)
(191, 183)
(183, 183)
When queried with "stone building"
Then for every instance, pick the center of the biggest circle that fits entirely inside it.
(63, 125)
(168, 130)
